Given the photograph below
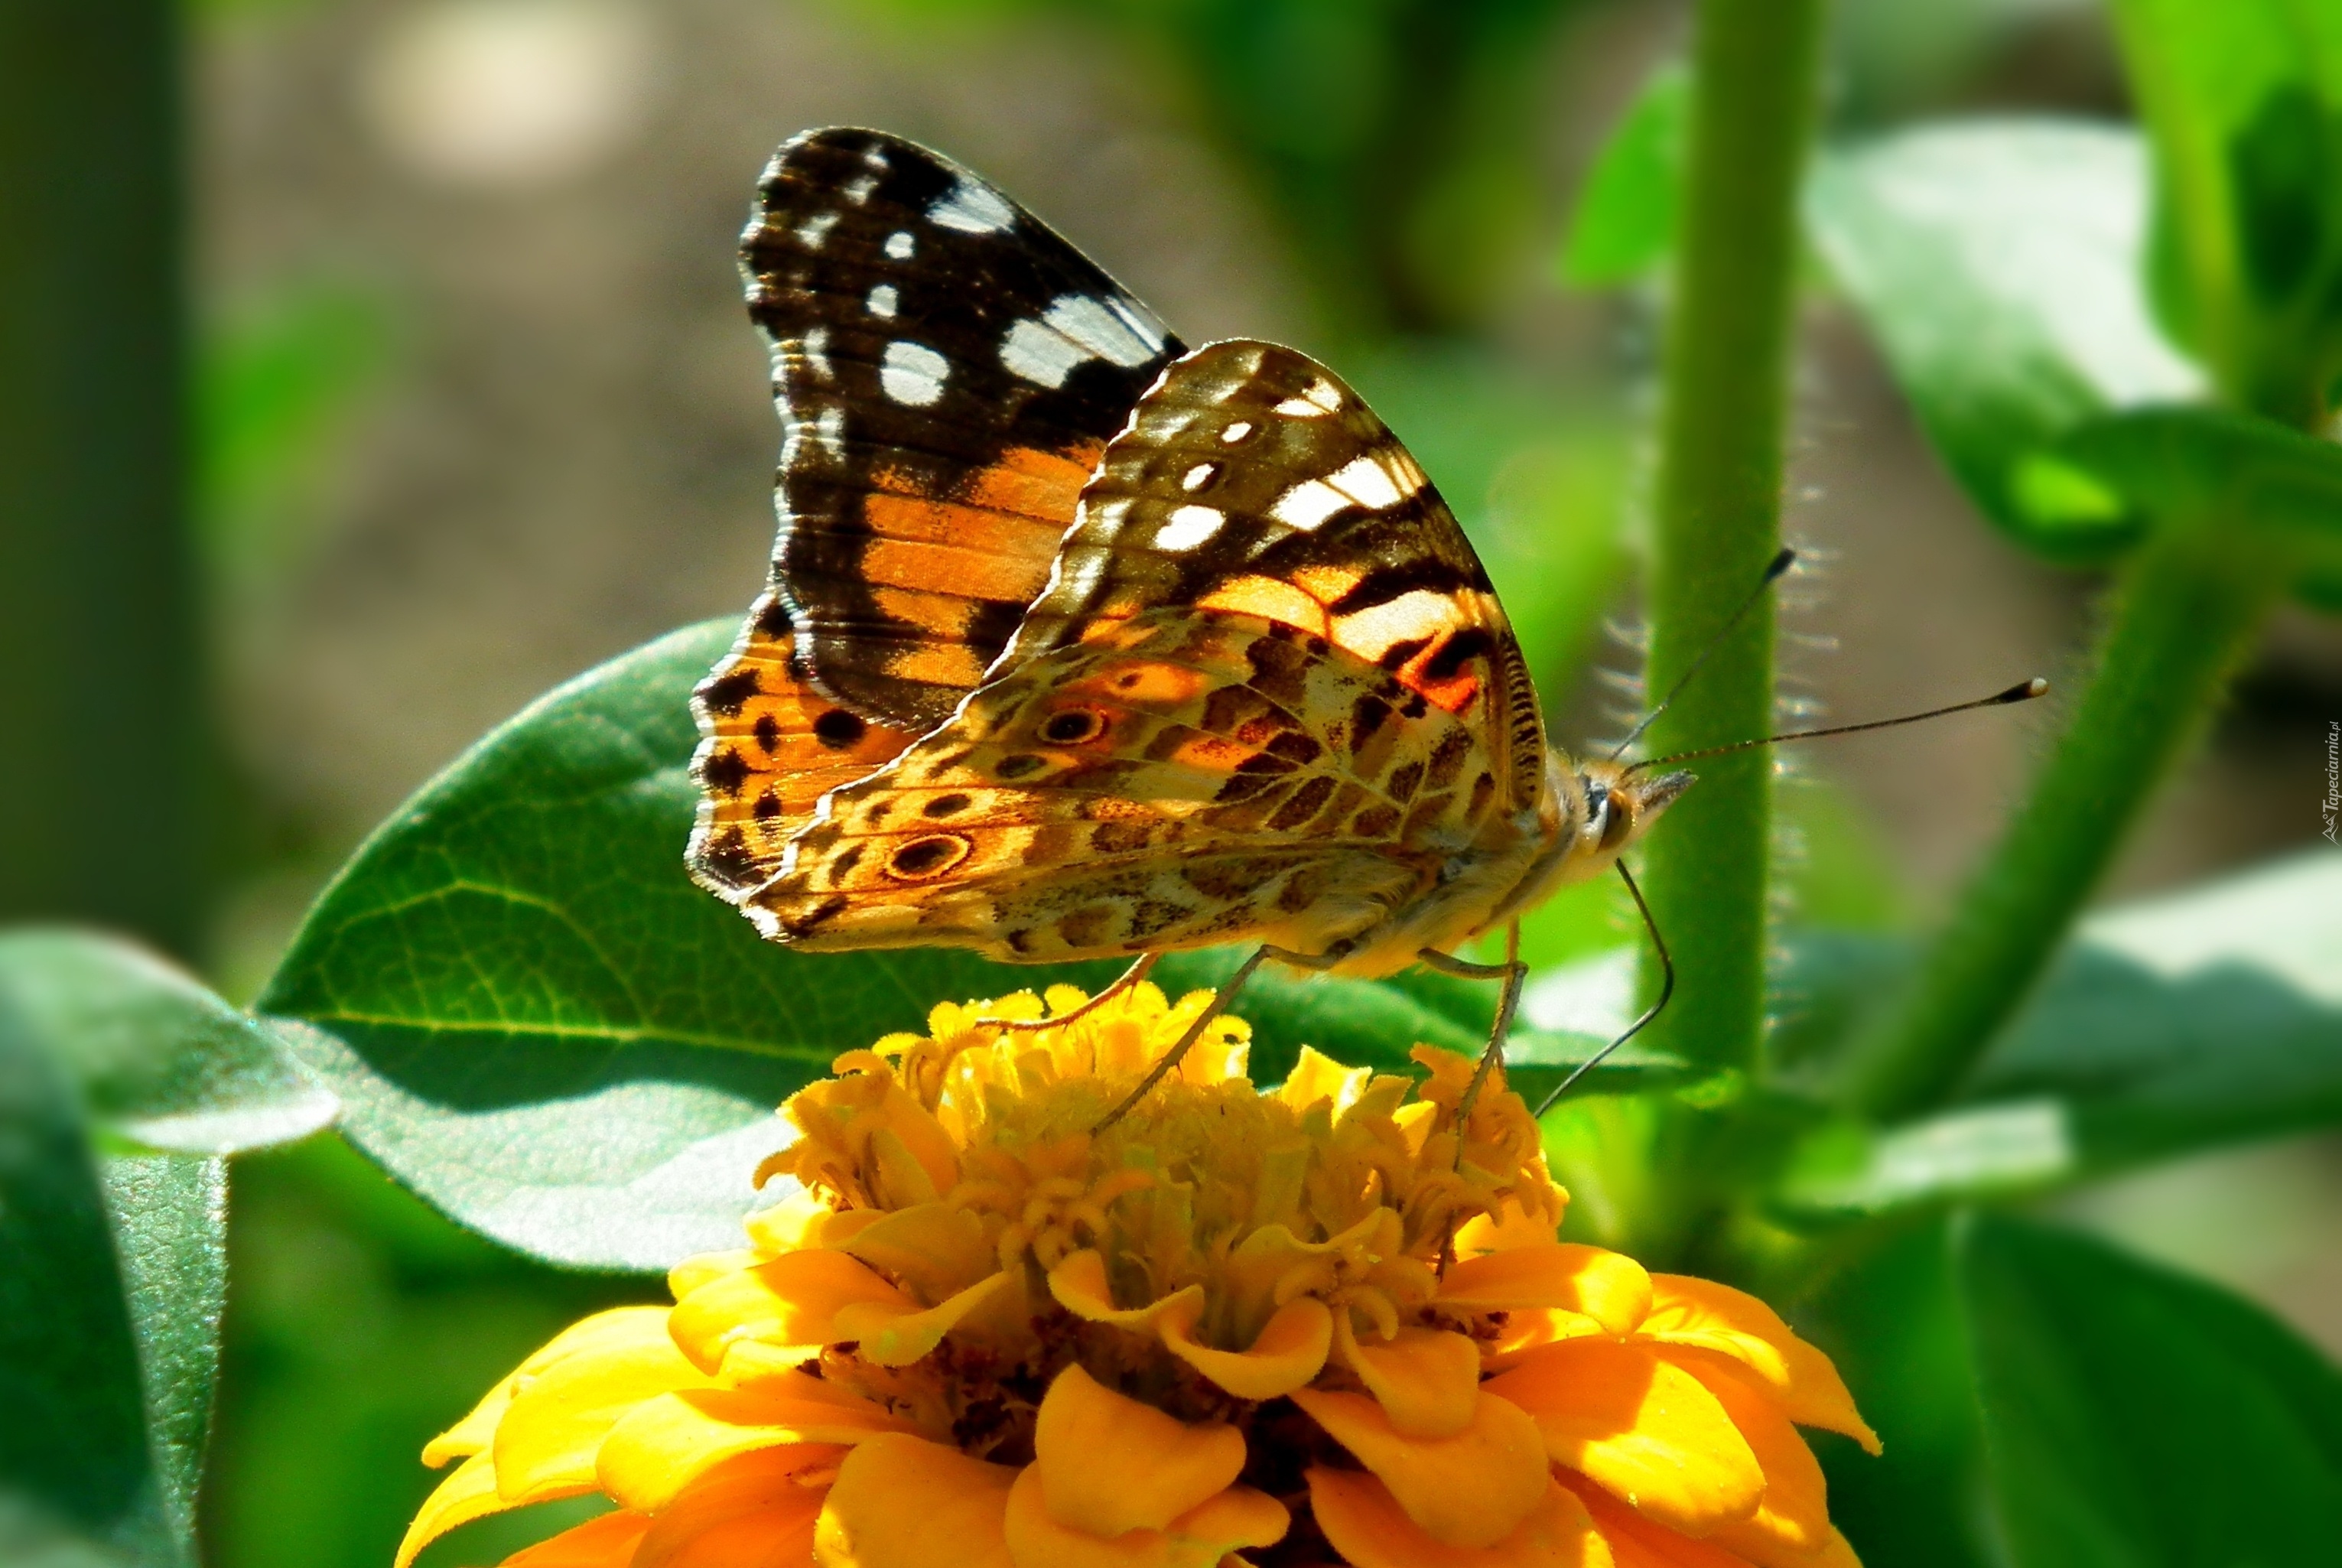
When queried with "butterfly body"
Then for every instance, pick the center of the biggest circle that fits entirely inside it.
(1081, 644)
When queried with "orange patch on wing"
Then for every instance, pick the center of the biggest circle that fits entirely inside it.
(1036, 483)
(967, 568)
(1145, 684)
(1269, 599)
(938, 664)
(1326, 584)
(1455, 694)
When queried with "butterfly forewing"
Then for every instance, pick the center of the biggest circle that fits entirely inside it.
(1252, 480)
(948, 371)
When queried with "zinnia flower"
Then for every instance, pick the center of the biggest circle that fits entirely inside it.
(1316, 1325)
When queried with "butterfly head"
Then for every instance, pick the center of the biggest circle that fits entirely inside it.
(1605, 807)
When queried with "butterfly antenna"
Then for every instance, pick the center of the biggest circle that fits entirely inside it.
(1779, 564)
(1667, 989)
(2022, 692)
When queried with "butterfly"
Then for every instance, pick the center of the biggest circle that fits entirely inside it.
(1081, 643)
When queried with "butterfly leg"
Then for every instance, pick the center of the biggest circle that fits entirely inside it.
(1513, 972)
(1219, 1004)
(1128, 978)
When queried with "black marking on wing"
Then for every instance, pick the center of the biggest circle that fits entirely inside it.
(939, 423)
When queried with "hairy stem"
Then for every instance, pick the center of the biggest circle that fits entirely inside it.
(1717, 523)
(2184, 613)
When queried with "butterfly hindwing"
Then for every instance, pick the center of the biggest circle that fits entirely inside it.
(1182, 779)
(948, 371)
(1252, 480)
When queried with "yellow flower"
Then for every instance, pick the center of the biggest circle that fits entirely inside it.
(1292, 1327)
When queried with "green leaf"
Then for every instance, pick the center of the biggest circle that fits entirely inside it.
(170, 1233)
(78, 1482)
(160, 1061)
(2136, 1418)
(2207, 465)
(534, 1019)
(2244, 104)
(1625, 225)
(1997, 264)
(2209, 1017)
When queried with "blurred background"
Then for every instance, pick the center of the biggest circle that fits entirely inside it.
(476, 406)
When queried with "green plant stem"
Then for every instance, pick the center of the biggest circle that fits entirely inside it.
(1753, 79)
(102, 694)
(2185, 612)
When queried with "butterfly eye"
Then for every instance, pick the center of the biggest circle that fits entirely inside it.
(1072, 727)
(1618, 824)
(1597, 811)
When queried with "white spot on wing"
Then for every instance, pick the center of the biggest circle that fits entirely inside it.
(1319, 398)
(881, 303)
(816, 351)
(1308, 504)
(1237, 432)
(1142, 321)
(1188, 527)
(1076, 327)
(899, 245)
(1198, 477)
(1103, 328)
(1034, 351)
(972, 208)
(874, 157)
(858, 189)
(1366, 480)
(815, 229)
(829, 430)
(913, 373)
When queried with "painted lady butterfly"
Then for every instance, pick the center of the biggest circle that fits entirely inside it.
(1081, 644)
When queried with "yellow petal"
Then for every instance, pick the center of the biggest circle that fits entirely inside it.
(746, 1513)
(1792, 1522)
(667, 1443)
(1366, 1524)
(467, 1492)
(1289, 1351)
(1107, 1463)
(547, 1440)
(476, 1431)
(1611, 1288)
(1227, 1521)
(935, 1250)
(1427, 1381)
(793, 1300)
(605, 1541)
(1641, 1427)
(1469, 1490)
(702, 1268)
(1509, 1228)
(791, 1221)
(1316, 1077)
(1700, 1313)
(1080, 1285)
(1636, 1542)
(890, 1336)
(905, 1502)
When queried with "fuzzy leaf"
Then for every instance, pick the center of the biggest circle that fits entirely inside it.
(1999, 265)
(160, 1061)
(2136, 1418)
